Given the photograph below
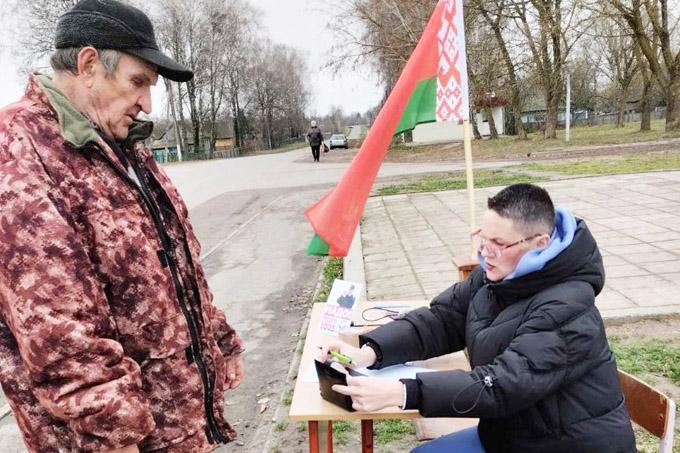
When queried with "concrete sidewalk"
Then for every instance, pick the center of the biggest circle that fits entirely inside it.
(408, 241)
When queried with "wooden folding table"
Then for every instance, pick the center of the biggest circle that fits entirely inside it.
(308, 406)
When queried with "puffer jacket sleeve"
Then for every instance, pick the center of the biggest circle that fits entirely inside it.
(541, 358)
(427, 332)
(58, 312)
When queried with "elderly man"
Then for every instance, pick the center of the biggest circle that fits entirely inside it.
(109, 340)
(543, 376)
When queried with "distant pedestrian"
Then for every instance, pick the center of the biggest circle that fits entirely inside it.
(315, 138)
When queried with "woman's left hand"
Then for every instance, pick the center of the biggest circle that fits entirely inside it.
(372, 394)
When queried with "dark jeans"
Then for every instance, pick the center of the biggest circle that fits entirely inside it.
(465, 441)
(315, 151)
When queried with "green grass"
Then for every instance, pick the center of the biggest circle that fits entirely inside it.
(332, 270)
(605, 134)
(456, 180)
(301, 427)
(287, 397)
(280, 426)
(608, 166)
(648, 359)
(392, 430)
(342, 431)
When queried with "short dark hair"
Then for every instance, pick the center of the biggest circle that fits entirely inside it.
(529, 206)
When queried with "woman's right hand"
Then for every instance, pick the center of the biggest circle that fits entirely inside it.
(361, 358)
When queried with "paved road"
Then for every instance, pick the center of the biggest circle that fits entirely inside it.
(248, 214)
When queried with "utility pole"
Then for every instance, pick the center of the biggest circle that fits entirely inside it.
(568, 113)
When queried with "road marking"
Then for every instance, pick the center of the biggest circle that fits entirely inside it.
(238, 230)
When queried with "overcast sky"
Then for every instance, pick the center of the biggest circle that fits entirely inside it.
(297, 23)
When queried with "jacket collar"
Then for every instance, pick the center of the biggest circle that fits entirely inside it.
(76, 128)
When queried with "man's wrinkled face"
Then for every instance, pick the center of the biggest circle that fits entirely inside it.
(498, 234)
(118, 98)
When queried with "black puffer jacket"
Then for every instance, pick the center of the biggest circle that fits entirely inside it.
(551, 378)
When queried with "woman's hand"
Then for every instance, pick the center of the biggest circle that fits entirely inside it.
(361, 358)
(372, 394)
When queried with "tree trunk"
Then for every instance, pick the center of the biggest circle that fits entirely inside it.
(193, 113)
(673, 104)
(235, 122)
(180, 110)
(621, 118)
(473, 120)
(515, 103)
(550, 131)
(493, 132)
(553, 96)
(645, 106)
(173, 112)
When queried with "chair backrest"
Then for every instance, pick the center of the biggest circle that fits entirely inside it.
(650, 409)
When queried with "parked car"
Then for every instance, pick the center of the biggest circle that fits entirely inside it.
(338, 141)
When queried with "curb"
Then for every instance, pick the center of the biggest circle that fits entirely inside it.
(294, 365)
(353, 264)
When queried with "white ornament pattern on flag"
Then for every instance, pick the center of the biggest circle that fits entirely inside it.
(452, 86)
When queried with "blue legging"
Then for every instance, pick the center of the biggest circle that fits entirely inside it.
(465, 441)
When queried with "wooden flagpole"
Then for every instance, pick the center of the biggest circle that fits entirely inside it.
(467, 144)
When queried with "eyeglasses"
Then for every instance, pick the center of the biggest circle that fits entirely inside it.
(492, 247)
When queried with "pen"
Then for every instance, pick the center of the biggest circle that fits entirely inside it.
(342, 358)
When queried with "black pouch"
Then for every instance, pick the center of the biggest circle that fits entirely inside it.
(328, 377)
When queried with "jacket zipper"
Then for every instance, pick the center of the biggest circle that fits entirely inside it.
(213, 431)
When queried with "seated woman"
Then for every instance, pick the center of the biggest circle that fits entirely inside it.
(543, 376)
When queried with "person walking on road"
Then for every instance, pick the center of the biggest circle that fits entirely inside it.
(109, 339)
(315, 138)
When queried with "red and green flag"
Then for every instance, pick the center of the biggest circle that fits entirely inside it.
(432, 87)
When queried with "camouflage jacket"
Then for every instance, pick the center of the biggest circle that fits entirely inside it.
(108, 334)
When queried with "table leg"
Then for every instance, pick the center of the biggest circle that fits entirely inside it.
(366, 436)
(313, 427)
(320, 436)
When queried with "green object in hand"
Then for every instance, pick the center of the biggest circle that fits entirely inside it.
(341, 357)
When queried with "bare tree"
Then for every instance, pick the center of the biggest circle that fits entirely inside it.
(278, 91)
(382, 33)
(496, 15)
(655, 27)
(35, 34)
(618, 51)
(645, 97)
(551, 33)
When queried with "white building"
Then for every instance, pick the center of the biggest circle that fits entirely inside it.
(452, 131)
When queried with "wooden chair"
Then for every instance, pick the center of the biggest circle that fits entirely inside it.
(650, 409)
(465, 264)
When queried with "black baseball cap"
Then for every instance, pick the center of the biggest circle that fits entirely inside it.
(110, 24)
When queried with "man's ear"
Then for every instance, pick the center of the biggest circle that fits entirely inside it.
(88, 59)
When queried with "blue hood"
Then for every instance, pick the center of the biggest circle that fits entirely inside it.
(561, 238)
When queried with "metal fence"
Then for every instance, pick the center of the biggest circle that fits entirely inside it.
(536, 121)
(165, 156)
